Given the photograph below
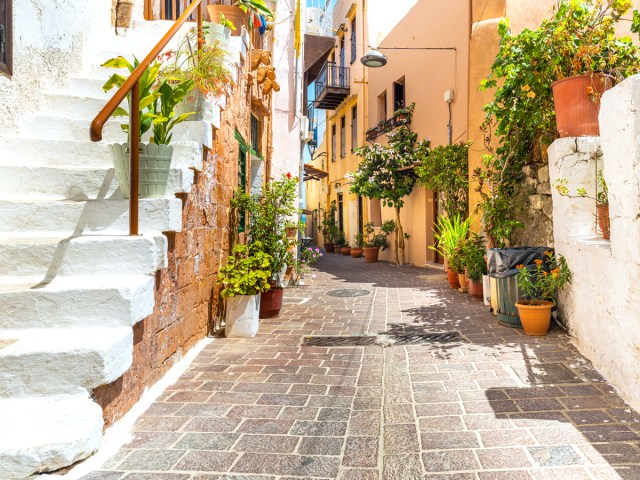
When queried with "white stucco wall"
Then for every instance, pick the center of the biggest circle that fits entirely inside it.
(50, 38)
(602, 305)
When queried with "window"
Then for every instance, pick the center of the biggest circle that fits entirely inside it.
(343, 137)
(382, 106)
(6, 37)
(398, 94)
(354, 127)
(353, 40)
(333, 143)
(342, 51)
(255, 134)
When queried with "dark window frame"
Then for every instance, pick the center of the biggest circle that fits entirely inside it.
(6, 67)
(399, 94)
(255, 134)
(333, 142)
(343, 136)
(354, 40)
(354, 127)
(342, 58)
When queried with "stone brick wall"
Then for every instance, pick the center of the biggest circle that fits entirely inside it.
(187, 301)
(538, 230)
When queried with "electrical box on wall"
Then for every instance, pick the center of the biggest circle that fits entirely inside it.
(449, 96)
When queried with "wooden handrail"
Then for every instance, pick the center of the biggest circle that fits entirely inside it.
(132, 85)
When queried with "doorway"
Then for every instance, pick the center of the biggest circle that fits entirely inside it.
(340, 212)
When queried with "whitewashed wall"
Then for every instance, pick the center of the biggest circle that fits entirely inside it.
(50, 38)
(602, 305)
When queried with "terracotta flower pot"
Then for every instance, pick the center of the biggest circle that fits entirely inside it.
(371, 254)
(603, 220)
(356, 252)
(452, 278)
(328, 247)
(577, 103)
(337, 249)
(292, 232)
(271, 302)
(462, 280)
(346, 250)
(233, 13)
(535, 318)
(475, 289)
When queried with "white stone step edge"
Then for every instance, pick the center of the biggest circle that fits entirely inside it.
(76, 302)
(47, 433)
(57, 360)
(38, 256)
(104, 216)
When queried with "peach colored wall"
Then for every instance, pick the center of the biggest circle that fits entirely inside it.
(428, 74)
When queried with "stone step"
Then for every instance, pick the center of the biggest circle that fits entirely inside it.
(92, 216)
(47, 432)
(74, 106)
(50, 361)
(75, 302)
(75, 183)
(51, 127)
(33, 151)
(39, 256)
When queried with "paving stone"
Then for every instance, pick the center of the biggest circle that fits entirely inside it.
(266, 444)
(401, 467)
(211, 424)
(450, 460)
(296, 465)
(334, 414)
(150, 440)
(506, 438)
(206, 461)
(556, 456)
(361, 452)
(398, 414)
(358, 474)
(449, 440)
(261, 425)
(157, 476)
(160, 424)
(207, 441)
(151, 460)
(364, 422)
(320, 446)
(399, 439)
(203, 410)
(505, 475)
(441, 424)
(254, 411)
(491, 458)
(319, 429)
(98, 475)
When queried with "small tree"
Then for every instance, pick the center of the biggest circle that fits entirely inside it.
(385, 173)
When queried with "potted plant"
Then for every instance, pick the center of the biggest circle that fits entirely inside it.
(253, 10)
(267, 212)
(219, 33)
(357, 251)
(376, 241)
(158, 100)
(601, 198)
(205, 68)
(475, 264)
(339, 242)
(346, 249)
(457, 266)
(402, 116)
(329, 229)
(243, 279)
(539, 284)
(449, 232)
(292, 229)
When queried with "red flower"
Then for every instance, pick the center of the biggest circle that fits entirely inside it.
(288, 176)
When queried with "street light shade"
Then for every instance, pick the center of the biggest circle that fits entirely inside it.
(374, 59)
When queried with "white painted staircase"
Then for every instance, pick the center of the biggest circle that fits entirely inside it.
(72, 283)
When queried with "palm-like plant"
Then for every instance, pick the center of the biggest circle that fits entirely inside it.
(449, 233)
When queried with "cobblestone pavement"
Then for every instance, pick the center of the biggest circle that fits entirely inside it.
(470, 409)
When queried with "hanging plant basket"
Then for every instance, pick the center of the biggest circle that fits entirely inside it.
(193, 102)
(577, 104)
(155, 164)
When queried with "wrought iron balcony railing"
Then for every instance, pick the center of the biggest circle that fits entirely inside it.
(332, 86)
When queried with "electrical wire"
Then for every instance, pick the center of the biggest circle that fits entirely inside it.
(480, 19)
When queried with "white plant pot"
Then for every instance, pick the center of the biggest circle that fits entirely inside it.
(486, 286)
(193, 102)
(155, 164)
(216, 33)
(242, 320)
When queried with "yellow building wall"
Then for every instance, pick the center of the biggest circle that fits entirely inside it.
(427, 75)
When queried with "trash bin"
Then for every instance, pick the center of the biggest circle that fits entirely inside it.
(502, 268)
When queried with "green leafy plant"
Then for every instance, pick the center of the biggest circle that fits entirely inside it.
(450, 233)
(540, 282)
(379, 238)
(445, 170)
(247, 271)
(225, 22)
(602, 195)
(473, 252)
(340, 239)
(358, 240)
(385, 173)
(329, 229)
(205, 68)
(157, 99)
(267, 214)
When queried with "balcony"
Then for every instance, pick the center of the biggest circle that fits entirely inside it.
(332, 86)
(385, 126)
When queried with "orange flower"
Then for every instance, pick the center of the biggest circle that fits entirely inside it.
(538, 262)
(531, 95)
(545, 273)
(520, 267)
(548, 254)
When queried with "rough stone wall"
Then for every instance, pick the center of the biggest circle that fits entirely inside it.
(601, 307)
(538, 230)
(187, 300)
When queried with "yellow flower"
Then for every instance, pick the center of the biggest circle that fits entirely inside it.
(526, 88)
(531, 95)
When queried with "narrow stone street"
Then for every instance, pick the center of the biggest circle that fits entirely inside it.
(491, 404)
